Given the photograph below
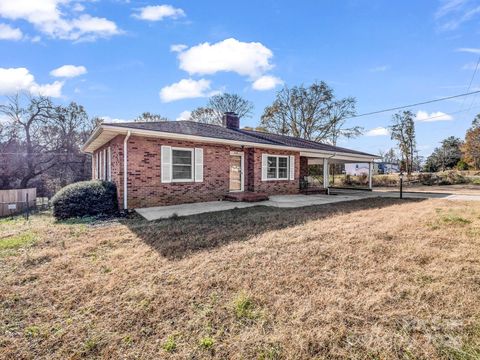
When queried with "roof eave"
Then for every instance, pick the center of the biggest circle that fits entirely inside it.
(121, 130)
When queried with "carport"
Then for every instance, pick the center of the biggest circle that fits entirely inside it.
(321, 182)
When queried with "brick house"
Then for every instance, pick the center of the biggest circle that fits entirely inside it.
(174, 162)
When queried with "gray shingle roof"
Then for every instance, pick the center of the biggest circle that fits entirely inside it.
(219, 132)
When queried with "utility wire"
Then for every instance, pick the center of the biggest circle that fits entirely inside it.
(470, 85)
(416, 104)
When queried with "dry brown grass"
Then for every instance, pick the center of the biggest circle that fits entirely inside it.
(375, 279)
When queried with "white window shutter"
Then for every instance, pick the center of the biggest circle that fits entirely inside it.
(264, 166)
(198, 164)
(292, 167)
(166, 160)
(109, 167)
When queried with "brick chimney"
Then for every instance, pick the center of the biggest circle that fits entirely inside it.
(230, 120)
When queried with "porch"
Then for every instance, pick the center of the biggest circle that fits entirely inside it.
(322, 175)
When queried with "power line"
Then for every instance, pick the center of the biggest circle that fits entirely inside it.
(470, 85)
(416, 104)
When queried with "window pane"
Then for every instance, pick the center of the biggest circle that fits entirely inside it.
(181, 172)
(271, 167)
(282, 167)
(181, 157)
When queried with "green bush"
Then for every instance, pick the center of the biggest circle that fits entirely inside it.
(85, 198)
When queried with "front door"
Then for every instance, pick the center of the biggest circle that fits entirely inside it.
(236, 173)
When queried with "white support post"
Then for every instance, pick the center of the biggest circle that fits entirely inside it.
(370, 173)
(326, 174)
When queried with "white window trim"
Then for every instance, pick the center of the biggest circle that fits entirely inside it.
(276, 178)
(192, 164)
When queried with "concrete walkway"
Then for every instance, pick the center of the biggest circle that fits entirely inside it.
(287, 201)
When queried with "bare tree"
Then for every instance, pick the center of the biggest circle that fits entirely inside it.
(223, 103)
(207, 115)
(340, 111)
(403, 131)
(310, 113)
(40, 143)
(28, 122)
(150, 117)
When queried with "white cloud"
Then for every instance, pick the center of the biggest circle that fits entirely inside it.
(178, 47)
(469, 66)
(381, 68)
(378, 131)
(108, 119)
(9, 33)
(159, 12)
(55, 19)
(453, 13)
(434, 116)
(266, 82)
(470, 50)
(186, 89)
(247, 59)
(14, 80)
(68, 71)
(184, 115)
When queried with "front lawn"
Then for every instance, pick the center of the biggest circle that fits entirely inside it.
(371, 279)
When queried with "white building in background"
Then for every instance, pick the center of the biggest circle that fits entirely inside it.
(356, 169)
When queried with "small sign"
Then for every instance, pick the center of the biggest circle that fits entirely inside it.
(12, 206)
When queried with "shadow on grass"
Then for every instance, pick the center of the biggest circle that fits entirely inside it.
(179, 237)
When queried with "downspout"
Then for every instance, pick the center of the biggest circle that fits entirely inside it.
(125, 171)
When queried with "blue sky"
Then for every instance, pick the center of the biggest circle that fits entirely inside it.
(127, 57)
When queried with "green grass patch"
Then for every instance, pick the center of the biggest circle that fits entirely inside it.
(15, 242)
(244, 307)
(207, 343)
(170, 344)
(455, 220)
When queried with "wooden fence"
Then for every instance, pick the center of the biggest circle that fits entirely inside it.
(15, 201)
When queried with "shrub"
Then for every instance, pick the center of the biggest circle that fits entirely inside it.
(85, 198)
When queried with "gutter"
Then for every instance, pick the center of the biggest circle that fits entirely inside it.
(125, 171)
(152, 133)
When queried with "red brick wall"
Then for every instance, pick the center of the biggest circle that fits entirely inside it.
(144, 173)
(270, 187)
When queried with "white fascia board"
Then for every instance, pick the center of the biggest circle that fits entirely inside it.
(339, 156)
(167, 135)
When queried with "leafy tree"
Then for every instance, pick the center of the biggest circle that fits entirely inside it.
(149, 117)
(391, 157)
(446, 156)
(471, 147)
(476, 122)
(402, 131)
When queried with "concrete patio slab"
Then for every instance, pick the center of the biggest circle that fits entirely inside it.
(288, 201)
(165, 212)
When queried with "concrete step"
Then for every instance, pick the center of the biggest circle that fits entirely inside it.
(246, 196)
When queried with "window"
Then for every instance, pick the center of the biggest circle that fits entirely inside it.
(277, 167)
(182, 164)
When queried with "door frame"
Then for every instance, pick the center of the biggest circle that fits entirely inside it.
(242, 170)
